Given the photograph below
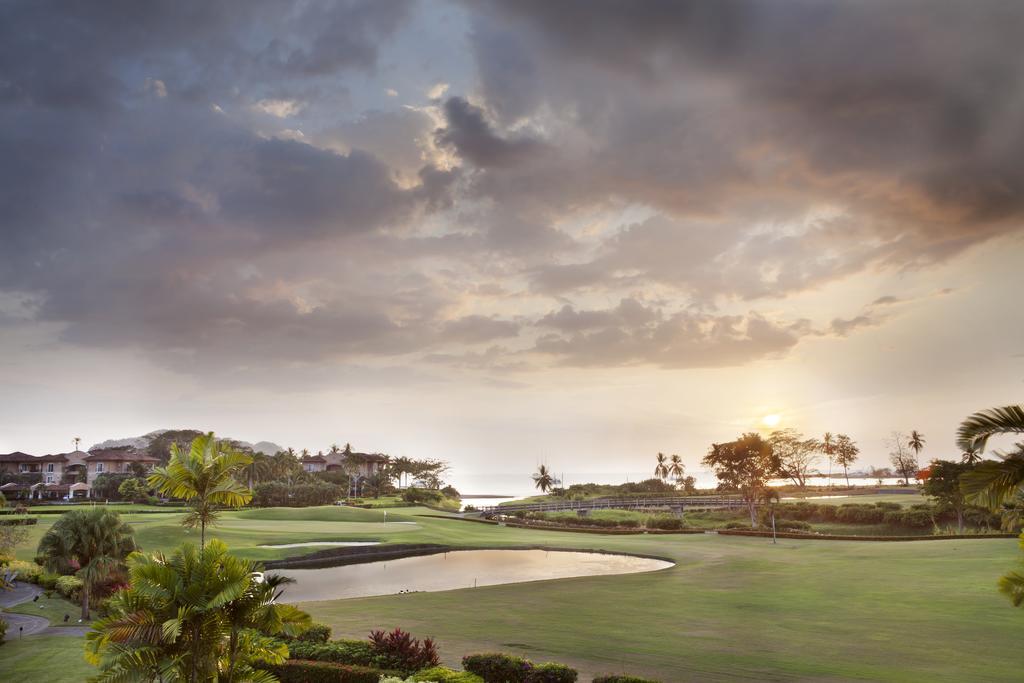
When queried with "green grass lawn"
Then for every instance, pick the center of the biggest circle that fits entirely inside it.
(54, 659)
(53, 608)
(731, 609)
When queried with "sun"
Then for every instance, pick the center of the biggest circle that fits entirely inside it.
(771, 420)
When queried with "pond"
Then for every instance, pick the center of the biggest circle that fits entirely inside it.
(457, 569)
(324, 544)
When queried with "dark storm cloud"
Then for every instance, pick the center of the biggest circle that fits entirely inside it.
(182, 176)
(905, 116)
(473, 137)
(680, 340)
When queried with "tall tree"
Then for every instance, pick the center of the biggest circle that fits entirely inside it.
(943, 484)
(204, 476)
(745, 465)
(916, 442)
(661, 469)
(993, 482)
(195, 616)
(828, 448)
(846, 452)
(259, 469)
(903, 460)
(796, 454)
(543, 479)
(95, 540)
(676, 469)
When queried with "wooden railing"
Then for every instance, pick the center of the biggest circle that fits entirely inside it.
(693, 502)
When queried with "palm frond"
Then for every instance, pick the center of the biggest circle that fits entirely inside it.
(976, 430)
(993, 482)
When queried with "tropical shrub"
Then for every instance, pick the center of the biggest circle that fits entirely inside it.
(307, 494)
(440, 674)
(551, 672)
(302, 671)
(224, 617)
(498, 667)
(27, 571)
(69, 586)
(48, 581)
(317, 633)
(93, 543)
(358, 652)
(399, 650)
(622, 679)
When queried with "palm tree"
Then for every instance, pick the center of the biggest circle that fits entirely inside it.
(661, 469)
(196, 616)
(204, 475)
(976, 430)
(96, 540)
(846, 451)
(260, 468)
(676, 469)
(994, 483)
(970, 457)
(543, 479)
(335, 448)
(916, 442)
(770, 497)
(828, 448)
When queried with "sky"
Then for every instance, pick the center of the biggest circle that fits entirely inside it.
(506, 233)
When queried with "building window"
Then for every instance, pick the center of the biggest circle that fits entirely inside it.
(99, 468)
(49, 467)
(49, 478)
(23, 468)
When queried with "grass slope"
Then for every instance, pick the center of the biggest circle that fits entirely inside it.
(732, 608)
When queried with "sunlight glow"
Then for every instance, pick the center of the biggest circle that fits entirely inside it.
(771, 420)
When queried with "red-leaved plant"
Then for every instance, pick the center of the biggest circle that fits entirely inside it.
(399, 650)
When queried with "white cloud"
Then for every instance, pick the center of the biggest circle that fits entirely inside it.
(282, 109)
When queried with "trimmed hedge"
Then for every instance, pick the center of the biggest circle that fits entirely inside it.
(501, 668)
(304, 671)
(19, 521)
(440, 674)
(623, 679)
(495, 667)
(356, 652)
(317, 633)
(551, 672)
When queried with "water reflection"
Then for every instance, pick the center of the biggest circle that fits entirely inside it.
(461, 569)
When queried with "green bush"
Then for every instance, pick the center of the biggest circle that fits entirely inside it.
(551, 673)
(317, 633)
(280, 494)
(622, 679)
(301, 671)
(853, 513)
(888, 506)
(358, 652)
(737, 525)
(69, 586)
(498, 668)
(27, 571)
(440, 674)
(3, 630)
(666, 523)
(48, 581)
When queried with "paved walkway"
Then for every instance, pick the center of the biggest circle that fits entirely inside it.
(30, 625)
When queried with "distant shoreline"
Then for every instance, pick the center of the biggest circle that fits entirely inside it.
(481, 495)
